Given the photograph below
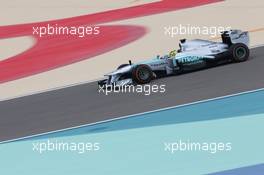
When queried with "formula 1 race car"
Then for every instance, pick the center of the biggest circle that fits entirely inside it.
(192, 55)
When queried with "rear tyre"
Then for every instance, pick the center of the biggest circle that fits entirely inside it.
(142, 74)
(239, 52)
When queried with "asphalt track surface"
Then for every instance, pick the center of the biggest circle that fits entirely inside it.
(83, 104)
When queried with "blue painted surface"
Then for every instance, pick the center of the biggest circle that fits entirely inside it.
(136, 145)
(251, 170)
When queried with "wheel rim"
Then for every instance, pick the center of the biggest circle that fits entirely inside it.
(143, 74)
(240, 52)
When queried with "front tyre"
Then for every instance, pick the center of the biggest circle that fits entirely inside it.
(142, 74)
(239, 52)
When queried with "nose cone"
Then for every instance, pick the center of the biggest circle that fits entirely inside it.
(121, 70)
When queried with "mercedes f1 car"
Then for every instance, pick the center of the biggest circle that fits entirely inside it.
(192, 55)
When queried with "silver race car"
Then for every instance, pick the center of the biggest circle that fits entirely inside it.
(192, 55)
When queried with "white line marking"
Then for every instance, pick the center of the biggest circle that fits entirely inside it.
(133, 115)
(72, 85)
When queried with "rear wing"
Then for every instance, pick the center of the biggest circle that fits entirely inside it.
(235, 36)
